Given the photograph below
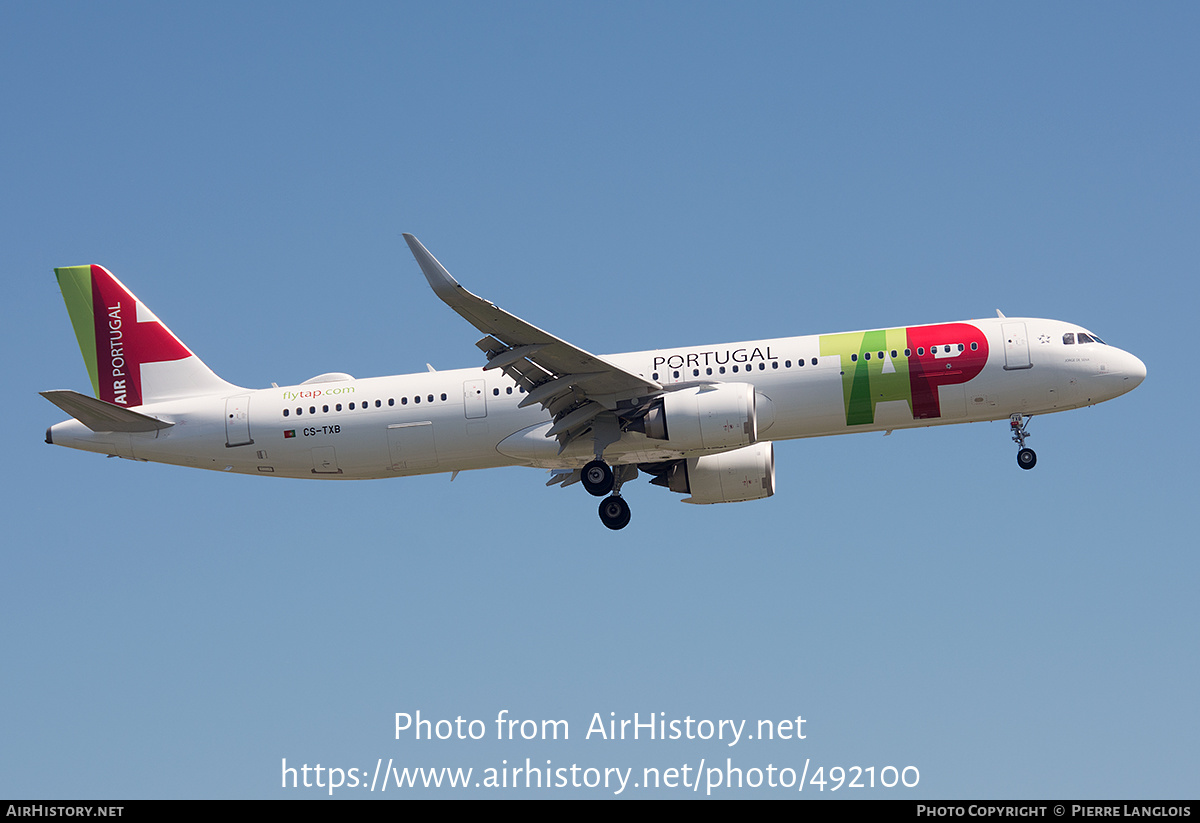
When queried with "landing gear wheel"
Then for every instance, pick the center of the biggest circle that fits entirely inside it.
(1026, 459)
(614, 512)
(597, 478)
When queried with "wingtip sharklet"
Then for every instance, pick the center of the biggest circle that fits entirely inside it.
(439, 279)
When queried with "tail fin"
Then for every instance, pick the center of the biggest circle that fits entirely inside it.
(132, 358)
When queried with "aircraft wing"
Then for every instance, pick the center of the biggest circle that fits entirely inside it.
(574, 385)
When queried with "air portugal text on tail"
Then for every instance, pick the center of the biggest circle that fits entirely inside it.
(131, 357)
(700, 420)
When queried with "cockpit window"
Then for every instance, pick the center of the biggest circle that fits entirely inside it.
(1098, 340)
(1083, 338)
(1069, 338)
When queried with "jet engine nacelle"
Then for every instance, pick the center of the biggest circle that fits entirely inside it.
(729, 477)
(704, 418)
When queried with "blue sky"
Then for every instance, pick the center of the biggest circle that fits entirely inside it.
(627, 176)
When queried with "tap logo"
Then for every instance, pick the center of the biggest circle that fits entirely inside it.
(908, 364)
(128, 335)
(117, 334)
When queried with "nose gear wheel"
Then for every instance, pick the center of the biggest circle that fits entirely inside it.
(1019, 423)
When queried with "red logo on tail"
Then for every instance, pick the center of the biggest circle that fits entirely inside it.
(123, 344)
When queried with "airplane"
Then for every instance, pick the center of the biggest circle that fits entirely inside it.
(700, 420)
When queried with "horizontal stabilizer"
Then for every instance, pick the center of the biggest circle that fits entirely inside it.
(102, 416)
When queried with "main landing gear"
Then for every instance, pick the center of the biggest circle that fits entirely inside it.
(599, 479)
(614, 512)
(1026, 458)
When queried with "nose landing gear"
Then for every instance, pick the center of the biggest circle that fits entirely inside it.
(1026, 458)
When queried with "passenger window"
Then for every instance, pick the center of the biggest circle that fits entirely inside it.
(974, 347)
(403, 401)
(325, 409)
(708, 370)
(775, 364)
(285, 412)
(866, 356)
(417, 399)
(814, 361)
(722, 370)
(312, 409)
(960, 347)
(391, 401)
(920, 351)
(893, 352)
(854, 358)
(430, 399)
(787, 364)
(338, 407)
(443, 395)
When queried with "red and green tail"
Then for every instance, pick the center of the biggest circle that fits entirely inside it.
(132, 358)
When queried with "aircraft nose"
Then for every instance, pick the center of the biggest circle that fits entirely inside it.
(1136, 371)
(1139, 371)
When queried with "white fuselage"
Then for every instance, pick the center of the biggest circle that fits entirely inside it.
(469, 418)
